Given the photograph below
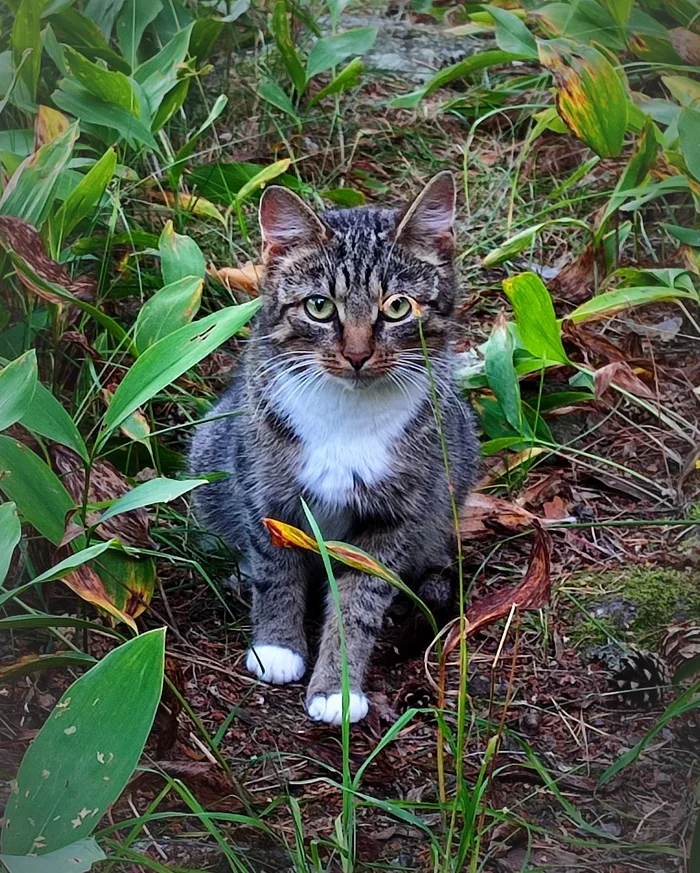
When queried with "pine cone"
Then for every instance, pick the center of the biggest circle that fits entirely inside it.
(640, 679)
(681, 643)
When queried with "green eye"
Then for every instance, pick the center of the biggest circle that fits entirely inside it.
(396, 308)
(319, 308)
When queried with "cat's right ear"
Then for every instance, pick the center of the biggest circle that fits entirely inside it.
(287, 222)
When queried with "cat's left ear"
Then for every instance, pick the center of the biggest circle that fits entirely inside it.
(427, 226)
(287, 222)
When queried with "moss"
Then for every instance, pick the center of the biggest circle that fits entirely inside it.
(652, 599)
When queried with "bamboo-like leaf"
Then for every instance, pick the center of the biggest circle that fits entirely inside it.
(86, 195)
(168, 310)
(77, 857)
(46, 417)
(282, 34)
(26, 37)
(610, 302)
(10, 533)
(272, 92)
(591, 99)
(78, 764)
(522, 240)
(177, 169)
(160, 73)
(107, 85)
(330, 51)
(18, 381)
(133, 20)
(159, 490)
(348, 77)
(25, 665)
(534, 316)
(267, 174)
(689, 134)
(180, 256)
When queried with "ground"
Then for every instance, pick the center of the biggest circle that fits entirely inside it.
(534, 682)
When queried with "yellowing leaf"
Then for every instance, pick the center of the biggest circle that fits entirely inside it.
(591, 99)
(48, 125)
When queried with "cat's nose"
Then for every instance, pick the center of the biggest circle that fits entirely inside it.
(357, 358)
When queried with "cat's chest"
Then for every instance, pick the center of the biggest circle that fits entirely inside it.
(347, 436)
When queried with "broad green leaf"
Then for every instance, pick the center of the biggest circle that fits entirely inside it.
(180, 256)
(586, 21)
(26, 35)
(610, 302)
(35, 488)
(30, 192)
(86, 195)
(76, 100)
(132, 22)
(169, 309)
(282, 34)
(650, 41)
(619, 9)
(469, 65)
(501, 375)
(348, 77)
(534, 316)
(103, 13)
(591, 99)
(330, 51)
(512, 34)
(689, 133)
(186, 150)
(272, 92)
(159, 74)
(154, 491)
(77, 30)
(10, 533)
(522, 240)
(18, 381)
(172, 356)
(686, 235)
(78, 764)
(19, 142)
(267, 174)
(46, 417)
(683, 89)
(346, 197)
(107, 85)
(222, 181)
(77, 857)
(171, 103)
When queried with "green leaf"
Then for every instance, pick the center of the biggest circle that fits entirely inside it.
(171, 103)
(650, 41)
(282, 34)
(103, 13)
(522, 240)
(346, 197)
(18, 381)
(43, 619)
(46, 417)
(178, 166)
(610, 302)
(170, 308)
(160, 73)
(534, 316)
(267, 174)
(26, 35)
(28, 664)
(330, 51)
(180, 256)
(78, 763)
(221, 182)
(77, 857)
(348, 77)
(686, 91)
(619, 9)
(274, 94)
(512, 34)
(77, 30)
(86, 195)
(154, 491)
(10, 533)
(132, 23)
(172, 356)
(501, 375)
(30, 192)
(686, 235)
(591, 99)
(35, 488)
(78, 101)
(689, 134)
(107, 85)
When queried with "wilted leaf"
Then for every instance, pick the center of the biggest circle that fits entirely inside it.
(482, 513)
(85, 582)
(246, 278)
(28, 664)
(620, 373)
(193, 203)
(591, 99)
(687, 44)
(534, 592)
(48, 125)
(128, 581)
(106, 483)
(287, 536)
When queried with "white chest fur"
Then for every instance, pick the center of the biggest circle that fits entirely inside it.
(347, 435)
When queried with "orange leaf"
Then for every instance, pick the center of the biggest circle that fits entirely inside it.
(533, 592)
(247, 277)
(48, 124)
(85, 582)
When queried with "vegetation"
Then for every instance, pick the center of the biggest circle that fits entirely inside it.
(135, 138)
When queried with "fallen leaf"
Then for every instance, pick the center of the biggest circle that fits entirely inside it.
(576, 281)
(245, 278)
(481, 512)
(533, 592)
(20, 238)
(79, 339)
(589, 342)
(106, 483)
(687, 44)
(620, 373)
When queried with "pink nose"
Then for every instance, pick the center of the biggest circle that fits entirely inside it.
(357, 358)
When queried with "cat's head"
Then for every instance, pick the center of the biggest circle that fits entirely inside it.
(346, 289)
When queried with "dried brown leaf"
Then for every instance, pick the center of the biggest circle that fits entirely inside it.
(245, 278)
(620, 373)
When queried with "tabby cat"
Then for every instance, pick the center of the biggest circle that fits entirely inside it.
(333, 402)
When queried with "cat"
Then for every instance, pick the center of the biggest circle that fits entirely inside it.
(332, 402)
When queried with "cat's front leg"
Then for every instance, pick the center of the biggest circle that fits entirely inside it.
(279, 579)
(363, 602)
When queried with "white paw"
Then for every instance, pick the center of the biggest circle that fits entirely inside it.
(275, 664)
(330, 708)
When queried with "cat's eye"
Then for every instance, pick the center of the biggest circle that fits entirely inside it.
(397, 307)
(319, 308)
